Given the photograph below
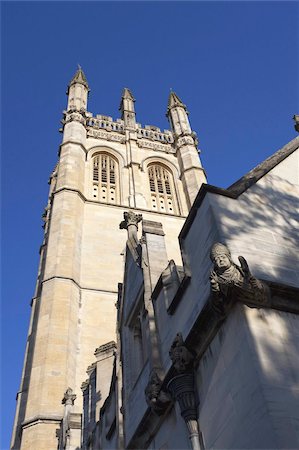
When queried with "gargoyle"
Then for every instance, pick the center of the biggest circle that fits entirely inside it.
(156, 398)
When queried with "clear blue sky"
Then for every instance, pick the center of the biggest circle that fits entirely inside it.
(234, 64)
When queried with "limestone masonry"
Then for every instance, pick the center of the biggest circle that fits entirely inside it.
(165, 314)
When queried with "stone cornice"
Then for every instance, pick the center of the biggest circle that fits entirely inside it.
(122, 206)
(72, 142)
(57, 277)
(201, 169)
(41, 418)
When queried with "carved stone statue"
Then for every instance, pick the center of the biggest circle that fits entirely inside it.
(69, 397)
(181, 357)
(156, 398)
(232, 282)
(130, 223)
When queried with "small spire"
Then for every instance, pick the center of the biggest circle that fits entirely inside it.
(79, 77)
(174, 100)
(127, 94)
(127, 109)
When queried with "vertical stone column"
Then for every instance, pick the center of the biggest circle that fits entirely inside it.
(70, 432)
(130, 223)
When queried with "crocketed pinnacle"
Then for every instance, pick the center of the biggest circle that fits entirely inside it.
(79, 77)
(174, 101)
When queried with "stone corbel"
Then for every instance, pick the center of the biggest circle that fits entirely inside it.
(182, 388)
(130, 223)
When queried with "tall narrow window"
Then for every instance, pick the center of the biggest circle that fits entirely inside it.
(161, 188)
(105, 178)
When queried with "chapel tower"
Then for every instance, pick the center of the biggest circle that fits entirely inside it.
(105, 168)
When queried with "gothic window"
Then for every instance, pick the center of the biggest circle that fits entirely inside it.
(161, 189)
(105, 178)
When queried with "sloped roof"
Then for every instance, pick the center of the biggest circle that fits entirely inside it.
(242, 184)
(262, 169)
(79, 77)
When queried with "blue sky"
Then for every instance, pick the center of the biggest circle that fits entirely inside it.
(235, 65)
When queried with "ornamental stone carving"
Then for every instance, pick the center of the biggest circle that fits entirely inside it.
(156, 398)
(185, 140)
(98, 134)
(69, 397)
(73, 115)
(130, 218)
(155, 146)
(130, 223)
(231, 282)
(180, 356)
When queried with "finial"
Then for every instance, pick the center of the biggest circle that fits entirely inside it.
(79, 77)
(296, 119)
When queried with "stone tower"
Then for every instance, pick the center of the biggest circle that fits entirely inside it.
(106, 167)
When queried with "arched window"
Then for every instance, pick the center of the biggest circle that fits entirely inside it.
(161, 188)
(105, 178)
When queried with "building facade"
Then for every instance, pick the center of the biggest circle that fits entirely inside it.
(105, 167)
(165, 314)
(207, 352)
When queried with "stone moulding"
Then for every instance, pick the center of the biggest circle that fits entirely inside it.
(97, 134)
(41, 418)
(156, 146)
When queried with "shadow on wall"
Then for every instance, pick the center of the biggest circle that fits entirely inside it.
(264, 221)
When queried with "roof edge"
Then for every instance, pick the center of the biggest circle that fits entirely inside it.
(240, 186)
(263, 168)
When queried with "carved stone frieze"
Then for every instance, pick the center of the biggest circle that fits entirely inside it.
(156, 398)
(230, 282)
(73, 115)
(100, 134)
(155, 146)
(185, 140)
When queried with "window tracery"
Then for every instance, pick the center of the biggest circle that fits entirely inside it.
(161, 189)
(105, 178)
